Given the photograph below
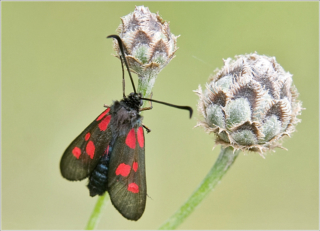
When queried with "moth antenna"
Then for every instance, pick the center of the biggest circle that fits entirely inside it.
(172, 105)
(123, 57)
(123, 81)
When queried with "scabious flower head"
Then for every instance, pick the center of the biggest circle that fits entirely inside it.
(149, 44)
(250, 104)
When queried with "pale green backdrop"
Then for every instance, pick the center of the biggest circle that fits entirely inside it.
(58, 71)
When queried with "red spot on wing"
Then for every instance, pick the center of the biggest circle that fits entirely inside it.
(107, 150)
(87, 136)
(140, 137)
(131, 139)
(76, 152)
(123, 170)
(133, 187)
(104, 123)
(90, 148)
(103, 114)
(135, 166)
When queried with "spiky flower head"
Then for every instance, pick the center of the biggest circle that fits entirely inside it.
(250, 104)
(149, 45)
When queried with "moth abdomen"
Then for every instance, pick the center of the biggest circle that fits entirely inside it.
(98, 179)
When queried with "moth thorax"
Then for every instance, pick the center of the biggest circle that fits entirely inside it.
(133, 101)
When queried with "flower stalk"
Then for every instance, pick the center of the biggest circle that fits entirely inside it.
(97, 212)
(226, 158)
(145, 85)
(250, 104)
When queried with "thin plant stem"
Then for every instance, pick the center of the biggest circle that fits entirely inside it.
(226, 158)
(145, 85)
(97, 211)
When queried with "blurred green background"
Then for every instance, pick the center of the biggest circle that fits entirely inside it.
(58, 71)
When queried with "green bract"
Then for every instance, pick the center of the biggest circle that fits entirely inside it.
(250, 104)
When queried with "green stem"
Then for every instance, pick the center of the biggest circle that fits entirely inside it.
(225, 160)
(145, 85)
(96, 213)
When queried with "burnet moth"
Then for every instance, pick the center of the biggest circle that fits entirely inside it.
(110, 152)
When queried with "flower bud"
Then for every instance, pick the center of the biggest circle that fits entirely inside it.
(149, 45)
(250, 104)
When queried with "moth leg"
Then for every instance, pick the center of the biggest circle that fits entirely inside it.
(147, 129)
(106, 106)
(148, 108)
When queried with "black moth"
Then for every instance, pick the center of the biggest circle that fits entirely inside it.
(110, 152)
